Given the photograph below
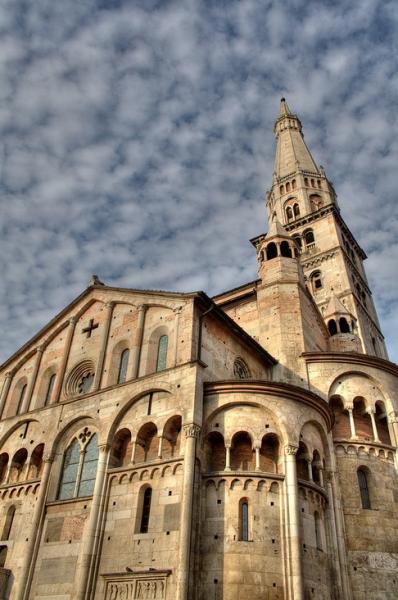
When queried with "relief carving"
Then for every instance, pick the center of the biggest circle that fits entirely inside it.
(136, 589)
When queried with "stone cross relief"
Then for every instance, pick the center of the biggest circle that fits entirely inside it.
(90, 327)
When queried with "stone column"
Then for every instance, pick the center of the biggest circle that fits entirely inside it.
(137, 342)
(160, 447)
(104, 342)
(371, 412)
(133, 447)
(257, 451)
(321, 480)
(61, 373)
(309, 466)
(227, 458)
(91, 534)
(393, 425)
(338, 515)
(33, 378)
(334, 550)
(191, 432)
(177, 312)
(5, 390)
(352, 423)
(293, 524)
(34, 536)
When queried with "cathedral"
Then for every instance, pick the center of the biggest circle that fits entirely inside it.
(172, 446)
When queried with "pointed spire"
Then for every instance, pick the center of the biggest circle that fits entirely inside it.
(292, 153)
(284, 109)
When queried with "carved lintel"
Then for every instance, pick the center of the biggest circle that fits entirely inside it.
(291, 450)
(191, 430)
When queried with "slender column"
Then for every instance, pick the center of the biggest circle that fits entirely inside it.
(309, 466)
(104, 342)
(34, 536)
(160, 447)
(137, 342)
(91, 533)
(352, 423)
(347, 594)
(334, 550)
(321, 481)
(371, 412)
(133, 447)
(61, 373)
(5, 390)
(227, 458)
(257, 451)
(293, 525)
(28, 396)
(191, 432)
(393, 422)
(177, 313)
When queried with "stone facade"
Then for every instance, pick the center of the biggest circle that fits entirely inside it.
(158, 445)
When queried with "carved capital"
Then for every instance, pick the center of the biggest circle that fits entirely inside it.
(9, 375)
(141, 307)
(370, 410)
(178, 310)
(291, 450)
(40, 349)
(73, 321)
(349, 407)
(109, 305)
(393, 417)
(192, 430)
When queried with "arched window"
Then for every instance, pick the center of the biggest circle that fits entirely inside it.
(294, 184)
(21, 398)
(85, 383)
(79, 470)
(316, 281)
(332, 327)
(146, 510)
(36, 462)
(241, 370)
(50, 388)
(288, 187)
(8, 523)
(318, 535)
(244, 520)
(215, 451)
(285, 249)
(289, 213)
(319, 183)
(313, 182)
(298, 241)
(17, 471)
(124, 361)
(344, 327)
(242, 455)
(161, 360)
(121, 449)
(309, 237)
(281, 189)
(296, 210)
(363, 488)
(306, 181)
(272, 251)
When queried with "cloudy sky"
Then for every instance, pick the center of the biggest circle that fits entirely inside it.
(136, 141)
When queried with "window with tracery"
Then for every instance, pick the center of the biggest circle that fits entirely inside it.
(241, 370)
(85, 383)
(79, 470)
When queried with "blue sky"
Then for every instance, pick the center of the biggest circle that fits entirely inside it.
(137, 144)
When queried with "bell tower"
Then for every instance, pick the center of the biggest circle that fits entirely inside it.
(304, 201)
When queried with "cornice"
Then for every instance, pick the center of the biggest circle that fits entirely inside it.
(272, 388)
(352, 358)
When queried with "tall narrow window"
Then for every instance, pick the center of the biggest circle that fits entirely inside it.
(296, 210)
(89, 470)
(146, 509)
(161, 360)
(318, 535)
(289, 213)
(244, 521)
(363, 488)
(8, 523)
(70, 471)
(124, 361)
(50, 388)
(21, 397)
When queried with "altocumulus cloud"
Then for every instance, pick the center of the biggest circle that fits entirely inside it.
(136, 141)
